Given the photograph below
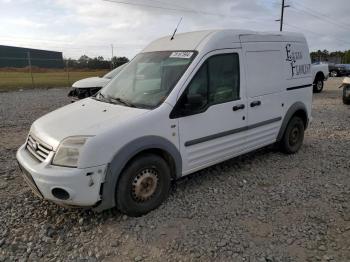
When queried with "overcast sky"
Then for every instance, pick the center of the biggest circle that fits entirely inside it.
(89, 27)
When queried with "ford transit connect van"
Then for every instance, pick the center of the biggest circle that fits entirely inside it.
(179, 106)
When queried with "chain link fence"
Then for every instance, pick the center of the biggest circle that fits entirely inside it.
(41, 73)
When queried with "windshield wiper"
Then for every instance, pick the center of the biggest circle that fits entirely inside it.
(122, 101)
(117, 100)
(101, 97)
(96, 95)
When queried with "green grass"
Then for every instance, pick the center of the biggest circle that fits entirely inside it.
(12, 80)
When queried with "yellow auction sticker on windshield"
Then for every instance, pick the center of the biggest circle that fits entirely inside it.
(186, 55)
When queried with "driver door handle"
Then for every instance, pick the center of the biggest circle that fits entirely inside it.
(255, 103)
(238, 107)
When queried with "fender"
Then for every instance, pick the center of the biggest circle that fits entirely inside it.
(291, 111)
(122, 157)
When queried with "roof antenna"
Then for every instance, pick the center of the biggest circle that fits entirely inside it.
(172, 37)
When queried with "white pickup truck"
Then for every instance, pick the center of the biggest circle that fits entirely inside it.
(320, 73)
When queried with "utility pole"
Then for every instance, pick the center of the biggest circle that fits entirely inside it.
(112, 56)
(283, 6)
(67, 68)
(30, 68)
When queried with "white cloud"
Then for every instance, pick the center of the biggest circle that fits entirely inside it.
(91, 26)
(24, 22)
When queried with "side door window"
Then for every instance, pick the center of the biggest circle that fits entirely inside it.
(224, 78)
(216, 82)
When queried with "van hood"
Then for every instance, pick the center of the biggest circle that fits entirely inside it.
(91, 82)
(87, 117)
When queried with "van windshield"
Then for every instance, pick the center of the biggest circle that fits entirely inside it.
(114, 72)
(148, 79)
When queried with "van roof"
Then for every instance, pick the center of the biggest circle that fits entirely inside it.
(198, 40)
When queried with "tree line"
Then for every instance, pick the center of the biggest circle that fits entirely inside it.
(95, 63)
(337, 57)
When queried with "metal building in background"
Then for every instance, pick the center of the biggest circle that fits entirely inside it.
(19, 57)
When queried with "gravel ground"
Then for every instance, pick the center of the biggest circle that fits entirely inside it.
(263, 206)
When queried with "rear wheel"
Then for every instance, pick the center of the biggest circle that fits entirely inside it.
(318, 85)
(143, 186)
(293, 136)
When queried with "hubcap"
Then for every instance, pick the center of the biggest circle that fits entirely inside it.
(319, 85)
(294, 136)
(144, 184)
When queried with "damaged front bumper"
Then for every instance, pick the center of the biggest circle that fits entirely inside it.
(63, 185)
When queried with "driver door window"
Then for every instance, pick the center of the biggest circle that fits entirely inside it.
(223, 71)
(216, 82)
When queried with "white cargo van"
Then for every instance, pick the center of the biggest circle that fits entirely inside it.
(179, 106)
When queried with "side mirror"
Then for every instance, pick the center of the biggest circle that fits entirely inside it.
(194, 102)
(190, 104)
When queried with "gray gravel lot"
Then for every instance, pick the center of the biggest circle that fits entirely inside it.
(263, 206)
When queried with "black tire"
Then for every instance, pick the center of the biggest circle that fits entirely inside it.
(318, 85)
(346, 100)
(131, 192)
(293, 136)
(333, 73)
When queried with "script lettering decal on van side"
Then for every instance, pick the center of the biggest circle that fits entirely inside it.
(293, 57)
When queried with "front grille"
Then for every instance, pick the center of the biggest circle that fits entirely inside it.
(37, 148)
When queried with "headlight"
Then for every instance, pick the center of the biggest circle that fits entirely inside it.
(68, 151)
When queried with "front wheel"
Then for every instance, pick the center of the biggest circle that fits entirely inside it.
(334, 73)
(346, 95)
(293, 136)
(143, 185)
